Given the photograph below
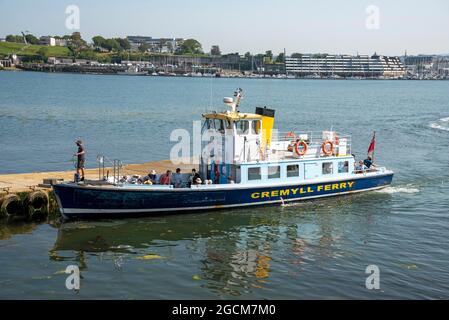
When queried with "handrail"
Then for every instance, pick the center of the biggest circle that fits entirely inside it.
(314, 138)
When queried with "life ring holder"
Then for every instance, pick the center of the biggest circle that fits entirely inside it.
(329, 151)
(304, 147)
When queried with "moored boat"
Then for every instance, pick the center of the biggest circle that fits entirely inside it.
(248, 164)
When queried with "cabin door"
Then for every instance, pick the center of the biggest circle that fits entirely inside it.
(311, 170)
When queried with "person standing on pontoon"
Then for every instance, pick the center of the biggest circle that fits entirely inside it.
(80, 158)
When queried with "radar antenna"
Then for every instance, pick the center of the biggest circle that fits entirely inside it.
(234, 103)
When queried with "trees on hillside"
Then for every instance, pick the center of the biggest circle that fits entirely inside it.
(190, 46)
(280, 58)
(144, 47)
(31, 39)
(112, 44)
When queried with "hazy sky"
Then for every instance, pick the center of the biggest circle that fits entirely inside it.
(249, 25)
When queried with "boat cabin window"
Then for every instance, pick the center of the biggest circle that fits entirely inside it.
(242, 126)
(343, 167)
(255, 127)
(206, 125)
(274, 172)
(254, 173)
(292, 170)
(219, 125)
(228, 124)
(327, 167)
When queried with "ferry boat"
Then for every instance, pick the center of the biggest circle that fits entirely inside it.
(251, 166)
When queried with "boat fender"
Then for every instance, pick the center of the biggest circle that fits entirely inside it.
(37, 204)
(11, 206)
(327, 147)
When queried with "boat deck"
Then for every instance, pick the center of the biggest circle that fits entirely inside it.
(22, 182)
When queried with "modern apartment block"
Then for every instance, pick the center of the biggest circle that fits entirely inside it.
(325, 65)
(166, 45)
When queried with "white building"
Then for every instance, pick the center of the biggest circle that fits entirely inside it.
(345, 65)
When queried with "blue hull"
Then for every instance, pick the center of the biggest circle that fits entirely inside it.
(84, 202)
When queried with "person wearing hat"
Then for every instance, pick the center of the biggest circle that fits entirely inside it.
(80, 158)
(152, 176)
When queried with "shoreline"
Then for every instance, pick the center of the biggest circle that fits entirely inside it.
(265, 76)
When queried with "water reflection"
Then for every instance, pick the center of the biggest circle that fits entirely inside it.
(7, 231)
(236, 251)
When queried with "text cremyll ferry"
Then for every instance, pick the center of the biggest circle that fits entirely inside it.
(249, 167)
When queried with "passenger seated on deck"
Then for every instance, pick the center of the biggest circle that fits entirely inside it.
(166, 178)
(152, 176)
(177, 178)
(368, 162)
(195, 177)
(360, 167)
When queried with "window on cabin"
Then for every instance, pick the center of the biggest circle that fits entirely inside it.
(343, 167)
(274, 172)
(292, 170)
(206, 125)
(242, 127)
(327, 167)
(228, 124)
(255, 127)
(254, 173)
(220, 127)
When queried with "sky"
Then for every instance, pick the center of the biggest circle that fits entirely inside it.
(335, 27)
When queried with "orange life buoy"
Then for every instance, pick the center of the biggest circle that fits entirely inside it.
(304, 148)
(328, 151)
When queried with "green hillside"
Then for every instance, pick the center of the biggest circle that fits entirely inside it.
(7, 48)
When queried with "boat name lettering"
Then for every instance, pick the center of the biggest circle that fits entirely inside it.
(302, 190)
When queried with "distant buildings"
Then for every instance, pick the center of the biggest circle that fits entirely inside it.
(326, 65)
(52, 41)
(161, 45)
(427, 66)
(215, 51)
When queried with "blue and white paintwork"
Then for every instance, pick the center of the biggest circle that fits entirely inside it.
(84, 202)
(257, 169)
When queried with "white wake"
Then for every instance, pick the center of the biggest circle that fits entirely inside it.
(441, 124)
(403, 189)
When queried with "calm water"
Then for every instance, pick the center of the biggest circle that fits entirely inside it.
(316, 249)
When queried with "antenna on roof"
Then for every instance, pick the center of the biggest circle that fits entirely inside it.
(234, 103)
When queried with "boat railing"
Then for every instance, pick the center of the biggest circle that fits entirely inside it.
(315, 139)
(373, 168)
(117, 165)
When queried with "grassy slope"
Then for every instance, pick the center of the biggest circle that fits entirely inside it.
(7, 48)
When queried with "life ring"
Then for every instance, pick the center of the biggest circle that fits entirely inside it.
(304, 148)
(329, 151)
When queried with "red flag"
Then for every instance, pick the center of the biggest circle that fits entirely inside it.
(372, 145)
